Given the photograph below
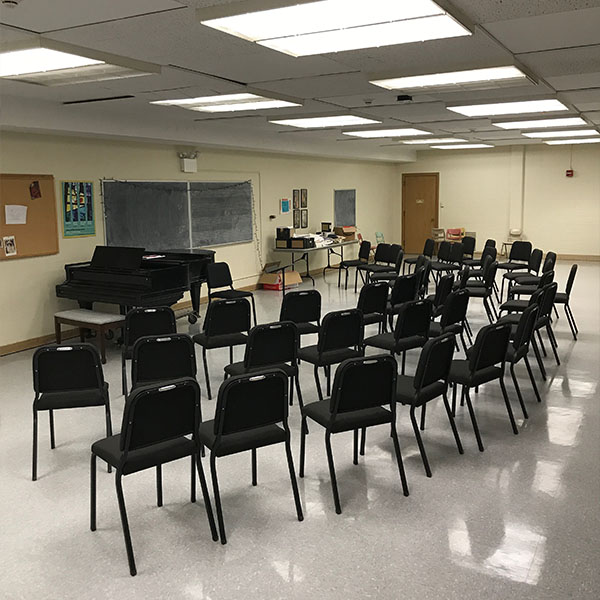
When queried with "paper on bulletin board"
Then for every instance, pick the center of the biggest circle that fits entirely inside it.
(15, 214)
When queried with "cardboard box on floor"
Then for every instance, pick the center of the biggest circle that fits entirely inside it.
(274, 281)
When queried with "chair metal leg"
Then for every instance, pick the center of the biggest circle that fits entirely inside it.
(555, 311)
(542, 345)
(473, 419)
(125, 523)
(93, 492)
(328, 375)
(334, 487)
(413, 420)
(35, 445)
(51, 421)
(518, 389)
(538, 358)
(508, 407)
(355, 280)
(108, 429)
(206, 497)
(159, 494)
(571, 319)
(303, 429)
(215, 481)
(193, 479)
(363, 439)
(423, 411)
(553, 343)
(123, 374)
(346, 280)
(319, 392)
(531, 378)
(355, 447)
(398, 453)
(206, 375)
(464, 345)
(291, 394)
(253, 309)
(453, 425)
(403, 362)
(254, 480)
(230, 355)
(454, 386)
(339, 275)
(290, 462)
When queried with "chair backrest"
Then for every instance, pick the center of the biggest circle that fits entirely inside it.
(490, 276)
(67, 367)
(341, 329)
(404, 289)
(546, 278)
(227, 316)
(159, 358)
(422, 260)
(395, 250)
(456, 253)
(463, 280)
(429, 247)
(485, 263)
(547, 300)
(381, 252)
(444, 287)
(251, 401)
(140, 322)
(489, 251)
(549, 262)
(535, 260)
(455, 308)
(160, 412)
(413, 319)
(218, 275)
(364, 250)
(490, 346)
(362, 383)
(571, 279)
(525, 328)
(373, 298)
(379, 238)
(536, 298)
(444, 251)
(423, 274)
(302, 306)
(435, 361)
(490, 242)
(399, 259)
(520, 251)
(271, 344)
(468, 246)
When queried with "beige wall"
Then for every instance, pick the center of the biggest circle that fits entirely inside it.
(27, 297)
(490, 191)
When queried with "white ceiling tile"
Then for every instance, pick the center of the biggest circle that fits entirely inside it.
(569, 61)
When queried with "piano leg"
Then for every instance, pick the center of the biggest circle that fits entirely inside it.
(195, 289)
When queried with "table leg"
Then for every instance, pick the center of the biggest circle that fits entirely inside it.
(57, 330)
(102, 344)
(308, 268)
(81, 334)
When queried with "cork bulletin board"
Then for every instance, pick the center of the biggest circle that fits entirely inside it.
(28, 224)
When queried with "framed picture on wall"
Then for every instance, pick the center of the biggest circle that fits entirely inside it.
(296, 219)
(296, 199)
(304, 219)
(78, 215)
(303, 198)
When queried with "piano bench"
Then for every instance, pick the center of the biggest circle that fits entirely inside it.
(88, 319)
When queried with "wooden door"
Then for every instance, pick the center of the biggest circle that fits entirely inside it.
(419, 209)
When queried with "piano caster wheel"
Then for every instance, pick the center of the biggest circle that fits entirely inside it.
(109, 335)
(192, 318)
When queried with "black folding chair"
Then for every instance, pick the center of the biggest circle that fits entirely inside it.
(565, 299)
(361, 389)
(486, 363)
(522, 289)
(226, 325)
(486, 291)
(468, 243)
(453, 262)
(430, 382)
(372, 302)
(160, 425)
(518, 259)
(218, 276)
(391, 275)
(404, 290)
(161, 358)
(345, 265)
(381, 262)
(519, 305)
(251, 413)
(443, 289)
(529, 279)
(340, 338)
(428, 249)
(478, 262)
(67, 376)
(533, 268)
(140, 322)
(443, 257)
(303, 308)
(454, 316)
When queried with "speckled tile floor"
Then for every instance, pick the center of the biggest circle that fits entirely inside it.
(521, 520)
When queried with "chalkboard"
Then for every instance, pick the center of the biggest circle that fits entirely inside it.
(221, 213)
(146, 214)
(344, 205)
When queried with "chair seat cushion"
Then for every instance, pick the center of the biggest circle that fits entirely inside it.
(513, 319)
(408, 343)
(435, 329)
(411, 260)
(384, 276)
(514, 305)
(352, 263)
(516, 276)
(143, 458)
(385, 341)
(237, 368)
(523, 290)
(306, 328)
(311, 354)
(346, 421)
(474, 283)
(460, 373)
(406, 393)
(220, 341)
(72, 399)
(371, 318)
(240, 441)
(371, 268)
(525, 279)
(230, 294)
(512, 266)
(561, 298)
(472, 262)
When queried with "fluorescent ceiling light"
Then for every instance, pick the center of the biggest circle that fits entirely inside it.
(382, 133)
(227, 103)
(335, 121)
(40, 60)
(435, 141)
(566, 122)
(576, 141)
(564, 134)
(451, 78)
(338, 25)
(462, 146)
(508, 108)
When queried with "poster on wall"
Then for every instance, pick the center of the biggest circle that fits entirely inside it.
(78, 209)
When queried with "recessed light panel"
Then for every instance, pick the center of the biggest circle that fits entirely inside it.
(227, 103)
(435, 141)
(382, 133)
(39, 60)
(539, 123)
(454, 78)
(334, 121)
(508, 108)
(575, 141)
(564, 134)
(462, 146)
(338, 25)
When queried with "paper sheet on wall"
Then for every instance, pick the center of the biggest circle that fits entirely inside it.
(15, 214)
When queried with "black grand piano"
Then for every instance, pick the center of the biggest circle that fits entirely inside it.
(132, 277)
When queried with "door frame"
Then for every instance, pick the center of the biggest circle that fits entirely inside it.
(437, 200)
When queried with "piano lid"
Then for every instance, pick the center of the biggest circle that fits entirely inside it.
(119, 257)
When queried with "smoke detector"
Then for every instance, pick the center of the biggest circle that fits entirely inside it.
(11, 3)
